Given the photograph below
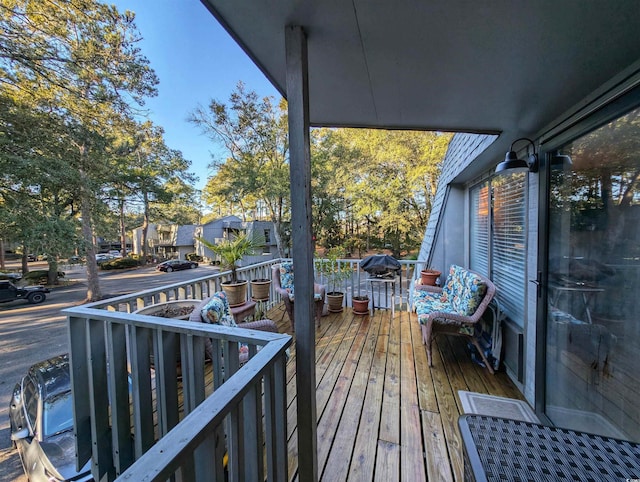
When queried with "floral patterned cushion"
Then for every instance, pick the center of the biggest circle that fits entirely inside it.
(462, 293)
(217, 310)
(286, 276)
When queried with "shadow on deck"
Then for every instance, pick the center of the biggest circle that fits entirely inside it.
(383, 414)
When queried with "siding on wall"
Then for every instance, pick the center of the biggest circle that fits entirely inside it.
(463, 149)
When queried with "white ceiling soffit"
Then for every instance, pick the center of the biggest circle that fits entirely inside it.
(499, 66)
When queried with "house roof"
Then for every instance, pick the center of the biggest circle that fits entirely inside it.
(185, 235)
(499, 67)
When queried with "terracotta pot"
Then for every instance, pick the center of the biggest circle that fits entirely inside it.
(260, 289)
(360, 305)
(429, 276)
(335, 300)
(236, 292)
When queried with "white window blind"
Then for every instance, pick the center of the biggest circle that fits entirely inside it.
(509, 243)
(480, 223)
(498, 238)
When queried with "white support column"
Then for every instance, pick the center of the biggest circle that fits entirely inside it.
(300, 172)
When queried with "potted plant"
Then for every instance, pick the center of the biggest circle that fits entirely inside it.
(429, 276)
(361, 304)
(260, 289)
(231, 252)
(335, 274)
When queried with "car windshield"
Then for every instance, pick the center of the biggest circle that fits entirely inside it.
(58, 414)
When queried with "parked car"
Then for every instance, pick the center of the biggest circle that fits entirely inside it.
(32, 257)
(12, 275)
(41, 418)
(176, 265)
(11, 292)
(100, 257)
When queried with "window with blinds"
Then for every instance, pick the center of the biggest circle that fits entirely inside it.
(480, 223)
(497, 238)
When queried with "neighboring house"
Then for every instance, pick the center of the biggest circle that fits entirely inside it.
(175, 241)
(166, 240)
(228, 226)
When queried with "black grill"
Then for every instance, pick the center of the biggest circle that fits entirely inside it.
(381, 266)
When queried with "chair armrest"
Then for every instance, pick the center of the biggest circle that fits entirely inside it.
(261, 325)
(467, 320)
(195, 314)
(431, 289)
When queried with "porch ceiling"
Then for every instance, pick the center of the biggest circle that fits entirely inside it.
(457, 65)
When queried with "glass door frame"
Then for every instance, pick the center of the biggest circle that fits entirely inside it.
(619, 106)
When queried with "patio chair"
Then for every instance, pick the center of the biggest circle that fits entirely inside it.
(215, 309)
(282, 275)
(454, 309)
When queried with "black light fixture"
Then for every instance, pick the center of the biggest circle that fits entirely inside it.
(511, 162)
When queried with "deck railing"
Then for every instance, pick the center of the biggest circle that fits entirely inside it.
(141, 411)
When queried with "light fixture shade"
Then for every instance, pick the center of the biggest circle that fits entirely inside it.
(511, 164)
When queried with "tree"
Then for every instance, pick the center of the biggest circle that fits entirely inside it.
(376, 184)
(76, 59)
(151, 174)
(253, 133)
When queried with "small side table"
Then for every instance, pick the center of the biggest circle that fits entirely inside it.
(241, 312)
(386, 282)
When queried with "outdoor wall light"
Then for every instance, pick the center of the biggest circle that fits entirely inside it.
(511, 162)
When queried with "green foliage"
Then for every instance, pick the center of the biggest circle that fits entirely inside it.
(231, 251)
(120, 263)
(194, 257)
(255, 169)
(40, 277)
(331, 268)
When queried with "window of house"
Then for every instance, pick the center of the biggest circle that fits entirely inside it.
(497, 238)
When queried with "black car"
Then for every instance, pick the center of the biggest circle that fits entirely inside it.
(41, 421)
(176, 265)
(11, 292)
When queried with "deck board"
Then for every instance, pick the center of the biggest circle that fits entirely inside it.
(383, 413)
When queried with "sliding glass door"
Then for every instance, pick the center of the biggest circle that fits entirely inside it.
(592, 380)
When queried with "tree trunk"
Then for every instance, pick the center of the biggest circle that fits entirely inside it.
(123, 233)
(93, 281)
(276, 234)
(1, 253)
(145, 228)
(25, 264)
(52, 276)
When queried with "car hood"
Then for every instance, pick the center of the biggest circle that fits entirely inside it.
(60, 450)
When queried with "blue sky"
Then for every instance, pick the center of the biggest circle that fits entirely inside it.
(195, 60)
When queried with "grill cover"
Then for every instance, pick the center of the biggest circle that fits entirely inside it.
(381, 265)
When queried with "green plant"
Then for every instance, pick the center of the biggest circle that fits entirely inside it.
(120, 263)
(39, 276)
(332, 270)
(261, 311)
(232, 250)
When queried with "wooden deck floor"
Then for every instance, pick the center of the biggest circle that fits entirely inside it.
(383, 414)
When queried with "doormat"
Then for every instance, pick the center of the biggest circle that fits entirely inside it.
(491, 406)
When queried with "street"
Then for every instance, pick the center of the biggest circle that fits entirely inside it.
(32, 333)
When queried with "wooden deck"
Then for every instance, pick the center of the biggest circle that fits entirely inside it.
(383, 414)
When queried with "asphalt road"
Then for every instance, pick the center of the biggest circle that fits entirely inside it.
(32, 333)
